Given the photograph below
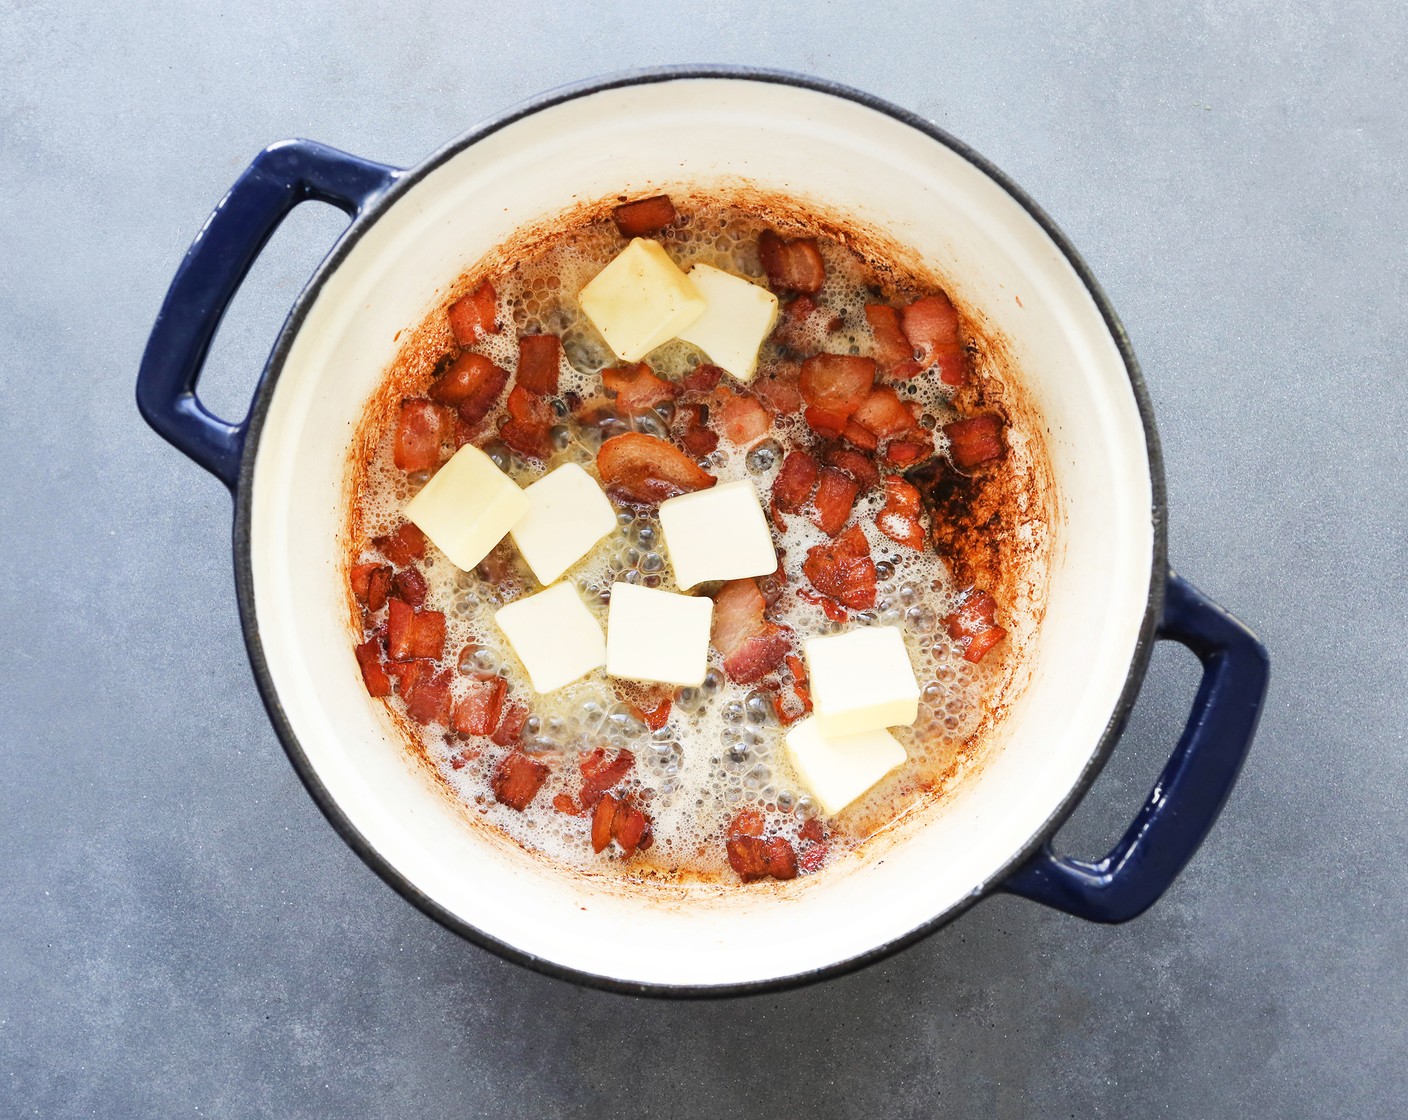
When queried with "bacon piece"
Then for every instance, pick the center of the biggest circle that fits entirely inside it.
(812, 857)
(703, 378)
(413, 634)
(688, 427)
(755, 858)
(471, 385)
(795, 481)
(603, 818)
(407, 674)
(884, 414)
(373, 672)
(860, 467)
(899, 520)
(792, 266)
(639, 468)
(801, 323)
(602, 770)
(644, 215)
(742, 419)
(908, 451)
(564, 804)
(812, 830)
(857, 436)
(892, 348)
(401, 546)
(974, 625)
(843, 569)
(538, 358)
(779, 394)
(832, 609)
(931, 325)
(835, 495)
(408, 585)
(836, 383)
(370, 583)
(477, 712)
(630, 827)
(748, 822)
(751, 646)
(529, 421)
(799, 682)
(654, 717)
(517, 779)
(428, 700)
(420, 429)
(636, 387)
(974, 441)
(474, 314)
(510, 727)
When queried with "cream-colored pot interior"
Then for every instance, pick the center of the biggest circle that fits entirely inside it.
(850, 160)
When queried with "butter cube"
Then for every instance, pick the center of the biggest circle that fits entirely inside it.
(640, 300)
(739, 317)
(861, 680)
(657, 635)
(838, 769)
(467, 507)
(719, 533)
(567, 514)
(555, 636)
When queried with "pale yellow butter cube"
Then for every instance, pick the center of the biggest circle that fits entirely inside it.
(567, 514)
(739, 317)
(861, 680)
(555, 636)
(837, 769)
(719, 533)
(657, 635)
(467, 507)
(640, 300)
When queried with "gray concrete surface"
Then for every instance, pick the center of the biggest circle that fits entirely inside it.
(182, 934)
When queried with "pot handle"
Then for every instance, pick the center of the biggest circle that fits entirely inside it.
(281, 176)
(1193, 786)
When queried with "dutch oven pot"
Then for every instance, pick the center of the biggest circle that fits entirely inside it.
(1111, 593)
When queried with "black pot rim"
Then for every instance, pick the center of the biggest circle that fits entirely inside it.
(244, 581)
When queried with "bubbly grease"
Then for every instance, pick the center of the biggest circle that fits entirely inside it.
(721, 750)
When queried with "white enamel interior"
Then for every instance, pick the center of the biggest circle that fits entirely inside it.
(850, 159)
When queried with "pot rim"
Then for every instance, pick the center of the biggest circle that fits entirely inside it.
(244, 576)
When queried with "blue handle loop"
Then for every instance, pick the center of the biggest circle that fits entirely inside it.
(1194, 785)
(281, 176)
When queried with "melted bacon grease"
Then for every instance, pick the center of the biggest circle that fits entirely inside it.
(721, 750)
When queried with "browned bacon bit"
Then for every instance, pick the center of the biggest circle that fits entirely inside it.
(908, 451)
(792, 266)
(517, 779)
(429, 698)
(477, 712)
(373, 672)
(529, 422)
(742, 419)
(644, 215)
(899, 520)
(892, 349)
(563, 803)
(974, 625)
(812, 830)
(812, 857)
(833, 387)
(830, 607)
(795, 481)
(412, 634)
(420, 429)
(473, 315)
(884, 414)
(510, 724)
(974, 441)
(404, 544)
(755, 858)
(472, 385)
(779, 394)
(603, 818)
(408, 585)
(799, 682)
(835, 495)
(636, 388)
(843, 569)
(931, 325)
(751, 646)
(639, 468)
(857, 436)
(407, 674)
(601, 770)
(538, 358)
(703, 378)
(654, 717)
(860, 467)
(687, 426)
(618, 819)
(363, 576)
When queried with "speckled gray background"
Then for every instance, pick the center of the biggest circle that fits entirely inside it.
(182, 934)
